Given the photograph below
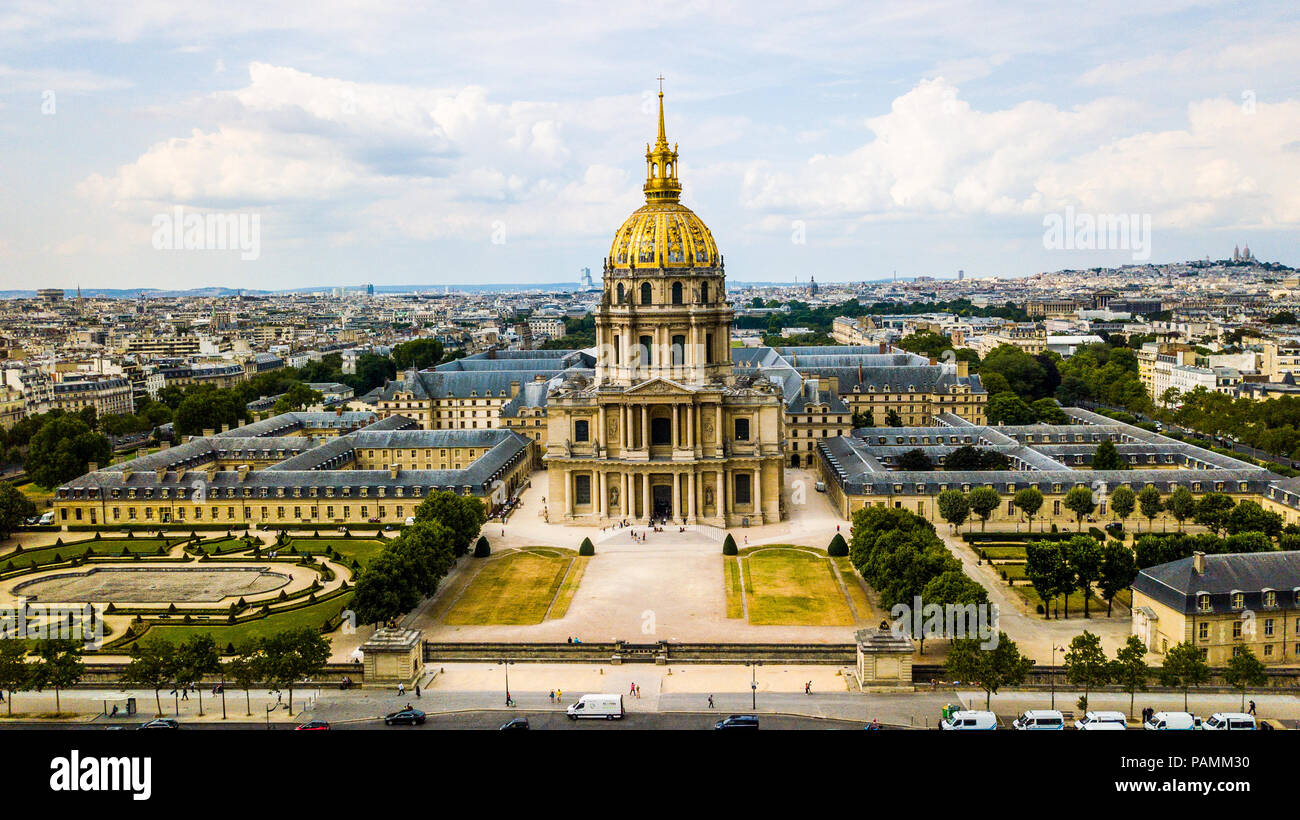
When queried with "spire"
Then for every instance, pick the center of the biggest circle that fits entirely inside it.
(661, 183)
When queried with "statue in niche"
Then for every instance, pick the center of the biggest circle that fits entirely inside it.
(613, 496)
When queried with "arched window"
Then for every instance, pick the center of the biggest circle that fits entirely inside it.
(645, 293)
(620, 292)
(704, 293)
(679, 350)
(677, 293)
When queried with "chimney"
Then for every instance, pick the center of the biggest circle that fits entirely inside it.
(243, 471)
(163, 445)
(207, 432)
(514, 388)
(160, 473)
(225, 428)
(933, 361)
(92, 466)
(963, 368)
(884, 347)
(1198, 562)
(392, 471)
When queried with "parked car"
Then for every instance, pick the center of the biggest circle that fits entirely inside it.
(820, 486)
(162, 723)
(1102, 721)
(408, 716)
(312, 726)
(737, 722)
(966, 719)
(1172, 721)
(609, 707)
(1039, 719)
(518, 724)
(1229, 721)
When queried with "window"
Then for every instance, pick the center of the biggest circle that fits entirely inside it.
(661, 430)
(582, 489)
(704, 292)
(1203, 603)
(742, 488)
(644, 350)
(679, 350)
(645, 293)
(1203, 631)
(708, 348)
(581, 430)
(677, 293)
(620, 292)
(742, 430)
(1238, 600)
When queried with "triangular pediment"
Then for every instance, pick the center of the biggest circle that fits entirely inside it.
(659, 386)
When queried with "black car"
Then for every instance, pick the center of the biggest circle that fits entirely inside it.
(312, 726)
(408, 716)
(162, 723)
(515, 725)
(737, 722)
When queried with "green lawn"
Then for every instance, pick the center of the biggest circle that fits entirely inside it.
(312, 616)
(514, 588)
(104, 546)
(362, 549)
(735, 604)
(790, 586)
(1097, 606)
(1004, 553)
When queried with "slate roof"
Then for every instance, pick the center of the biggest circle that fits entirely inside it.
(1178, 585)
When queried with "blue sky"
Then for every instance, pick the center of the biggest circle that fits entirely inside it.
(504, 142)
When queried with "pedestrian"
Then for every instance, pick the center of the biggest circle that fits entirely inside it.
(638, 694)
(807, 688)
(401, 689)
(632, 690)
(710, 701)
(551, 695)
(417, 690)
(185, 693)
(1251, 710)
(559, 696)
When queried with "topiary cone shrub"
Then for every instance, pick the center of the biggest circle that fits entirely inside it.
(481, 548)
(587, 547)
(729, 546)
(838, 547)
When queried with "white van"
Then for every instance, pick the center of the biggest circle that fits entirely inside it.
(1102, 722)
(609, 707)
(1171, 720)
(1038, 719)
(1230, 721)
(964, 719)
(47, 519)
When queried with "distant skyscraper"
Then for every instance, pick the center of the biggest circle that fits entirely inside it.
(961, 274)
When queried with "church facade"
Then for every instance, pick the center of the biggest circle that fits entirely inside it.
(662, 426)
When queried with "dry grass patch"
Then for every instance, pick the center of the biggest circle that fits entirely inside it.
(735, 594)
(853, 583)
(790, 586)
(515, 588)
(570, 586)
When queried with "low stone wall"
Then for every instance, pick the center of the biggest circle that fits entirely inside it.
(627, 652)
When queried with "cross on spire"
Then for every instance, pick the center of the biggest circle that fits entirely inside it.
(660, 78)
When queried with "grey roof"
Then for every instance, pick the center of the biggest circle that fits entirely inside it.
(1178, 585)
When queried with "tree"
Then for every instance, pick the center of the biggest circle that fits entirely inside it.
(1049, 411)
(1181, 504)
(195, 657)
(989, 669)
(152, 666)
(58, 665)
(892, 419)
(482, 548)
(1184, 668)
(729, 545)
(462, 514)
(292, 656)
(417, 354)
(425, 552)
(63, 449)
(1129, 669)
(953, 587)
(1084, 557)
(1009, 408)
(297, 397)
(1029, 501)
(1249, 516)
(1212, 511)
(207, 408)
(1150, 503)
(953, 507)
(15, 672)
(983, 501)
(242, 670)
(1086, 664)
(15, 508)
(1026, 375)
(838, 547)
(915, 461)
(1123, 502)
(1080, 501)
(384, 591)
(863, 419)
(1046, 570)
(1244, 670)
(1106, 457)
(586, 547)
(1118, 569)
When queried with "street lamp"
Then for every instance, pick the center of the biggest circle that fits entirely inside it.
(1055, 649)
(753, 683)
(505, 664)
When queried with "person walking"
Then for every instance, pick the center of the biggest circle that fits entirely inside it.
(401, 689)
(417, 690)
(807, 688)
(710, 701)
(632, 689)
(1251, 710)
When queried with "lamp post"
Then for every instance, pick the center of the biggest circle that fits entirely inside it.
(1055, 649)
(505, 664)
(753, 683)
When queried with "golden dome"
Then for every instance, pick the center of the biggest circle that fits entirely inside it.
(663, 233)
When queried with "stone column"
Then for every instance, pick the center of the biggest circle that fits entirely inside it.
(757, 492)
(676, 427)
(604, 495)
(568, 491)
(645, 427)
(690, 504)
(645, 494)
(690, 426)
(626, 499)
(677, 495)
(600, 436)
(720, 503)
(718, 427)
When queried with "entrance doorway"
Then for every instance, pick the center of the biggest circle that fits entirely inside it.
(662, 500)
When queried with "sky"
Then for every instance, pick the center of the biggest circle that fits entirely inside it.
(378, 143)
